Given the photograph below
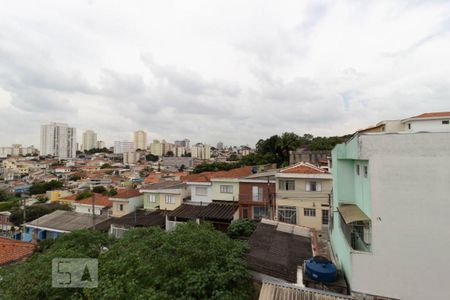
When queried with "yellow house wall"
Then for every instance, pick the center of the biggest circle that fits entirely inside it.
(115, 208)
(217, 195)
(301, 199)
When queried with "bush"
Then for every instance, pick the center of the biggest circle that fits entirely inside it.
(241, 228)
(82, 195)
(192, 262)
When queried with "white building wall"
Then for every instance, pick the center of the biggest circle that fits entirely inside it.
(198, 198)
(410, 190)
(428, 125)
(87, 209)
(123, 146)
(59, 140)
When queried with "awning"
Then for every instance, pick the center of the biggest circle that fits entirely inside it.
(352, 213)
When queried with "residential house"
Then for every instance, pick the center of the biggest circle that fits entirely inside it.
(52, 225)
(390, 205)
(257, 196)
(59, 196)
(303, 195)
(126, 201)
(426, 122)
(225, 184)
(166, 195)
(214, 198)
(98, 203)
(139, 218)
(5, 224)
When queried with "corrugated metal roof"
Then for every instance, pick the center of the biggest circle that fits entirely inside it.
(276, 253)
(214, 210)
(352, 213)
(275, 291)
(66, 220)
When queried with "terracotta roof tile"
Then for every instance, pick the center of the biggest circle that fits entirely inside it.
(207, 176)
(434, 114)
(100, 200)
(126, 193)
(12, 250)
(303, 168)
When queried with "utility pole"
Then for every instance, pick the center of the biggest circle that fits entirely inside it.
(93, 211)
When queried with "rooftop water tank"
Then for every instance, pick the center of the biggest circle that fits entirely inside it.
(320, 269)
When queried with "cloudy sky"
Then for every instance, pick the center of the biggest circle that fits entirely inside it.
(233, 71)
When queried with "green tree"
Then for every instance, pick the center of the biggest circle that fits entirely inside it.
(216, 166)
(241, 228)
(74, 177)
(106, 166)
(34, 212)
(170, 154)
(42, 187)
(33, 279)
(192, 262)
(5, 196)
(83, 195)
(151, 157)
(99, 189)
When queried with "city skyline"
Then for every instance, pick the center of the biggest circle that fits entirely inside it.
(308, 67)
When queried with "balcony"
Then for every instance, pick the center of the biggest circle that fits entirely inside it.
(259, 198)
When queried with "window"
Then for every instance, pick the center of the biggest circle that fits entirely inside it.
(245, 212)
(170, 199)
(257, 193)
(313, 186)
(325, 216)
(228, 189)
(201, 191)
(445, 122)
(259, 212)
(286, 185)
(120, 207)
(366, 171)
(309, 212)
(287, 214)
(151, 198)
(357, 170)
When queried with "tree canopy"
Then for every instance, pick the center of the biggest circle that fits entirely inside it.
(42, 187)
(216, 166)
(34, 212)
(192, 262)
(276, 148)
(151, 157)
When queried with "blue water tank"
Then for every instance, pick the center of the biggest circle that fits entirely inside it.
(320, 269)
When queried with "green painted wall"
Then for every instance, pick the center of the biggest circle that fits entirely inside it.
(148, 204)
(348, 187)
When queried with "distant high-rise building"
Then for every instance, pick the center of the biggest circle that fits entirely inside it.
(140, 139)
(16, 150)
(89, 140)
(166, 147)
(201, 151)
(187, 144)
(179, 151)
(131, 157)
(123, 146)
(59, 140)
(156, 148)
(220, 145)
